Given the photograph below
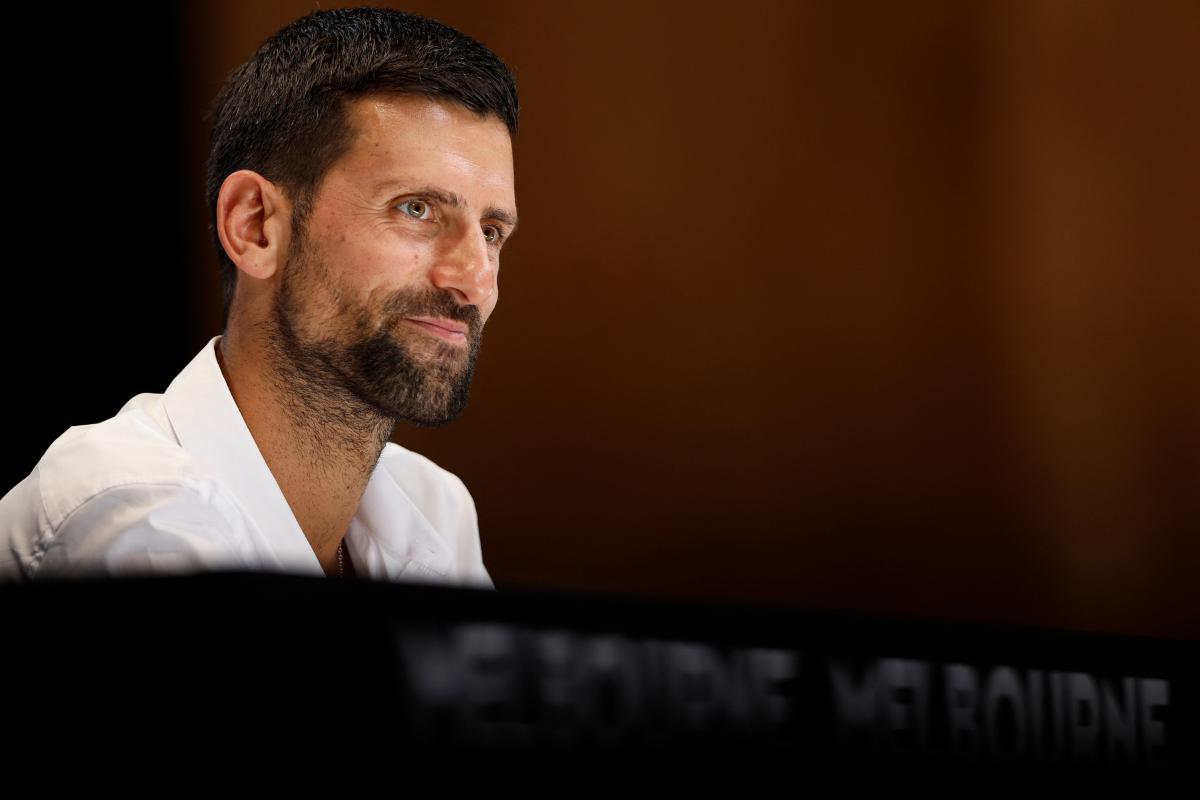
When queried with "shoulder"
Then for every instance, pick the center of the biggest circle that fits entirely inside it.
(137, 446)
(102, 487)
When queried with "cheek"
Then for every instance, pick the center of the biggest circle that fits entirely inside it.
(309, 293)
(490, 306)
(384, 266)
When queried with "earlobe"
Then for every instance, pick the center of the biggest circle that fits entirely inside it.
(249, 211)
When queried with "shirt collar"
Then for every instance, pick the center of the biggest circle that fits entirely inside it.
(210, 428)
(389, 537)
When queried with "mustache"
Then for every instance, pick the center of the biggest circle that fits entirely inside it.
(432, 302)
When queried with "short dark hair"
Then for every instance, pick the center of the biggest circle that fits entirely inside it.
(284, 112)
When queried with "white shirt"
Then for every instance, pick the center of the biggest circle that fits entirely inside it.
(175, 483)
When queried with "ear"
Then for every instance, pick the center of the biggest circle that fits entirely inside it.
(253, 223)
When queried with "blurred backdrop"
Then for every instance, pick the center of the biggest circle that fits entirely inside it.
(878, 307)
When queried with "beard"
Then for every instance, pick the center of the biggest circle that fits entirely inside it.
(393, 368)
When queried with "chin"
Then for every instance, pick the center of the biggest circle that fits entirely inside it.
(430, 421)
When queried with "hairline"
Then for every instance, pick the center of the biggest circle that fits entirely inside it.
(302, 203)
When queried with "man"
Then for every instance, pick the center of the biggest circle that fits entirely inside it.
(360, 184)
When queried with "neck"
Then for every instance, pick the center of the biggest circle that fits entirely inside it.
(320, 442)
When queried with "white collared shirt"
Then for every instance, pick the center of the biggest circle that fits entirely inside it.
(175, 483)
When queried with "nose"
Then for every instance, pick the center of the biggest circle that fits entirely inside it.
(467, 269)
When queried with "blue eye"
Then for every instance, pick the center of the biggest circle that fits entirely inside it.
(417, 209)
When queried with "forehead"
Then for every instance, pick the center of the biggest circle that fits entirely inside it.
(420, 139)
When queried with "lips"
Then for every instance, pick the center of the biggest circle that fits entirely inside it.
(444, 324)
(447, 329)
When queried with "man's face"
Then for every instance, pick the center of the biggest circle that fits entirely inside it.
(386, 290)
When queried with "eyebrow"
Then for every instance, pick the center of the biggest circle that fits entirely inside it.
(453, 200)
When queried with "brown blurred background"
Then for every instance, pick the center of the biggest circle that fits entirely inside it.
(868, 306)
